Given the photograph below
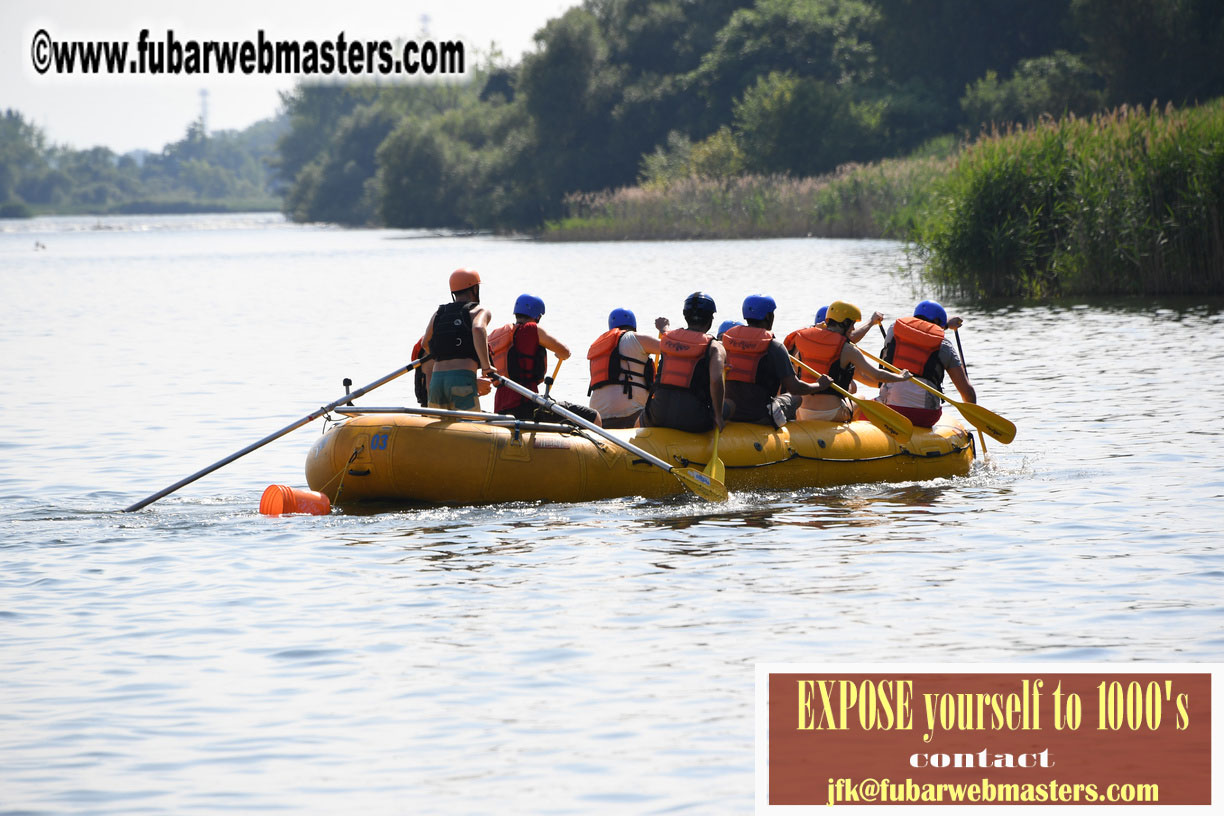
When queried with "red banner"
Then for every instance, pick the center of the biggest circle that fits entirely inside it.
(1042, 738)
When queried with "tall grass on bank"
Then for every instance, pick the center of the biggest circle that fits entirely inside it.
(858, 201)
(1129, 202)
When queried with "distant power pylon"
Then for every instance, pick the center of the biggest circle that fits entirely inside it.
(204, 110)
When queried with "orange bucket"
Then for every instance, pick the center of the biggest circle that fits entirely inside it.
(280, 499)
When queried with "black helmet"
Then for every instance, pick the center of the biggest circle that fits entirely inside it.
(700, 303)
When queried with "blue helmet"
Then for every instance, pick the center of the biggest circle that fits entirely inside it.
(820, 314)
(758, 307)
(622, 319)
(727, 324)
(932, 311)
(529, 305)
(700, 303)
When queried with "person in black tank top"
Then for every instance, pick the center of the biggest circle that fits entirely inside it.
(457, 338)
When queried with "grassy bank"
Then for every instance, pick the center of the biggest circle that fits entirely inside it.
(1130, 203)
(1126, 203)
(163, 207)
(859, 201)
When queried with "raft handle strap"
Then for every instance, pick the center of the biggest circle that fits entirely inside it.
(340, 475)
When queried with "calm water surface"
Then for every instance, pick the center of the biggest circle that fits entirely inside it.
(196, 657)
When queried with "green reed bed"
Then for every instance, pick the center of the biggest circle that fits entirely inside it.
(1127, 203)
(858, 201)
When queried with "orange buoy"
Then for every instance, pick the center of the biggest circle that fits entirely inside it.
(281, 499)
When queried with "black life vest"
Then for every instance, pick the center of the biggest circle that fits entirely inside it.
(419, 384)
(452, 332)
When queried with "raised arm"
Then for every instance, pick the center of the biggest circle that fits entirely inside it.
(649, 344)
(961, 380)
(552, 344)
(861, 332)
(867, 373)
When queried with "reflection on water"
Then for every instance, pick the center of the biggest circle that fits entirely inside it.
(197, 657)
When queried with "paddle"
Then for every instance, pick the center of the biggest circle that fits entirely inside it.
(548, 381)
(399, 372)
(965, 363)
(877, 413)
(715, 469)
(983, 419)
(696, 481)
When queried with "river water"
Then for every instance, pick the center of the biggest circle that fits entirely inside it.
(196, 657)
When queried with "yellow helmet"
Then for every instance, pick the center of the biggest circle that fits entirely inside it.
(839, 310)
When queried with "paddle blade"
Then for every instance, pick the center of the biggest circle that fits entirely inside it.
(988, 422)
(716, 470)
(886, 419)
(712, 490)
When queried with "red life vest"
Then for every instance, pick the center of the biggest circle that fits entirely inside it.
(419, 385)
(517, 353)
(606, 368)
(746, 347)
(821, 349)
(683, 353)
(915, 348)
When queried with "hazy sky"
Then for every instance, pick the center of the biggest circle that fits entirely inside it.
(128, 112)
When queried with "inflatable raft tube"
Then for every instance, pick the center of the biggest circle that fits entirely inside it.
(408, 459)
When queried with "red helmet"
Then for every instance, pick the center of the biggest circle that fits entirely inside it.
(462, 279)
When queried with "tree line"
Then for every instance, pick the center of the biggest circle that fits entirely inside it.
(201, 171)
(624, 92)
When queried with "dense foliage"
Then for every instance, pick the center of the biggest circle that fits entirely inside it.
(1126, 203)
(620, 92)
(223, 170)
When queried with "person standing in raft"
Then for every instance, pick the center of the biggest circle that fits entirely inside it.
(520, 351)
(688, 393)
(917, 344)
(760, 379)
(622, 371)
(458, 342)
(827, 349)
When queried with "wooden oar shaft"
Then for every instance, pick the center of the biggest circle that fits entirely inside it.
(293, 426)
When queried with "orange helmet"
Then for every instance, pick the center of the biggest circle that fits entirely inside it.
(462, 279)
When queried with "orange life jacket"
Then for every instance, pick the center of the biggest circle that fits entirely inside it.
(683, 352)
(915, 348)
(746, 347)
(821, 349)
(606, 368)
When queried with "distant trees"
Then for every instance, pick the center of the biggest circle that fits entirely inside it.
(618, 92)
(199, 169)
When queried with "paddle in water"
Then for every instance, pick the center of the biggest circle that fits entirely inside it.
(399, 372)
(981, 418)
(877, 413)
(701, 484)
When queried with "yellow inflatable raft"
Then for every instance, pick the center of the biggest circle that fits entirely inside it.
(408, 458)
